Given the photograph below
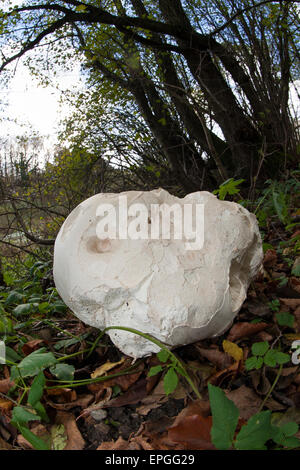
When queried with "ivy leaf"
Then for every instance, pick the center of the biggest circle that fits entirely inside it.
(225, 418)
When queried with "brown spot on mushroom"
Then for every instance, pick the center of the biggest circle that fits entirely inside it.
(96, 245)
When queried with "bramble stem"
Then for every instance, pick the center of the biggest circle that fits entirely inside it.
(184, 373)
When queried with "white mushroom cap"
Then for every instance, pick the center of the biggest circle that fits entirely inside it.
(158, 286)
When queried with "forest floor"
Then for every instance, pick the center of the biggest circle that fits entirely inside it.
(115, 404)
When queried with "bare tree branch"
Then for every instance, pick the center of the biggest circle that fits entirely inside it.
(241, 11)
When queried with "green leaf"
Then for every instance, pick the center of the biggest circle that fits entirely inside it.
(285, 319)
(289, 429)
(170, 381)
(292, 442)
(254, 362)
(259, 362)
(282, 358)
(63, 371)
(284, 435)
(65, 343)
(270, 358)
(14, 297)
(267, 246)
(34, 440)
(6, 325)
(296, 270)
(225, 418)
(250, 363)
(154, 371)
(44, 307)
(12, 355)
(255, 433)
(58, 307)
(81, 8)
(280, 205)
(163, 355)
(35, 362)
(36, 389)
(39, 408)
(259, 349)
(22, 309)
(21, 415)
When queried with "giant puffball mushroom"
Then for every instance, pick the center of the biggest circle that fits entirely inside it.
(167, 287)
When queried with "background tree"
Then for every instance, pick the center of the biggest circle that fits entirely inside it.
(210, 80)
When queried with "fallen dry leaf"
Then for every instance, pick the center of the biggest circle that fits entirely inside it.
(5, 405)
(263, 336)
(83, 401)
(96, 406)
(105, 368)
(270, 258)
(295, 283)
(297, 318)
(259, 309)
(132, 396)
(233, 350)
(6, 385)
(123, 381)
(5, 445)
(243, 329)
(143, 442)
(291, 303)
(219, 358)
(246, 400)
(120, 444)
(75, 440)
(194, 432)
(232, 370)
(64, 395)
(155, 400)
(31, 346)
(197, 407)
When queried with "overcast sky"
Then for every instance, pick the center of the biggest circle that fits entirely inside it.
(34, 105)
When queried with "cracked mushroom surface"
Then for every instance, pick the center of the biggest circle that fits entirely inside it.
(158, 286)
